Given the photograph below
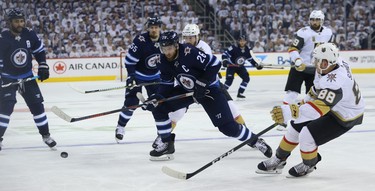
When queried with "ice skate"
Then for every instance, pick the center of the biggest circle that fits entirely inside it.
(157, 142)
(1, 143)
(302, 169)
(163, 151)
(273, 165)
(240, 96)
(119, 133)
(48, 140)
(263, 147)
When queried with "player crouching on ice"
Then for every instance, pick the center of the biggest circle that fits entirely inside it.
(333, 106)
(195, 72)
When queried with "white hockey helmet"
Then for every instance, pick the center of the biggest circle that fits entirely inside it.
(326, 51)
(191, 30)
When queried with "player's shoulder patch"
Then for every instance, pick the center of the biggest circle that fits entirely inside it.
(230, 48)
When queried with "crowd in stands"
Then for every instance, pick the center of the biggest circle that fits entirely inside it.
(105, 28)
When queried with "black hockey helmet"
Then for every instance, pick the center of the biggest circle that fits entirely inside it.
(168, 38)
(242, 37)
(153, 21)
(15, 14)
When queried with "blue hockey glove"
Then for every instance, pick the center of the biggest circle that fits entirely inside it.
(200, 88)
(130, 81)
(152, 102)
(43, 71)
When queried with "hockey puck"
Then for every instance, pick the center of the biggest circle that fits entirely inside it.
(64, 154)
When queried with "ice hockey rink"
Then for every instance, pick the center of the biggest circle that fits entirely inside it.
(97, 163)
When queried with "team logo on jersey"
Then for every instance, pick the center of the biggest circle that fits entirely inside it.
(187, 81)
(19, 58)
(142, 39)
(331, 77)
(187, 50)
(240, 61)
(152, 60)
(157, 45)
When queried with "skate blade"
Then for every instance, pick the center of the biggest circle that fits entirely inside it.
(53, 148)
(241, 99)
(165, 157)
(277, 171)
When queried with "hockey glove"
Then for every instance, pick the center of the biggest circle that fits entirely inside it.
(258, 66)
(130, 81)
(225, 63)
(43, 71)
(299, 65)
(200, 88)
(283, 115)
(152, 102)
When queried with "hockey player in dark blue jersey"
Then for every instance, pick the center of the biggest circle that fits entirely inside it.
(140, 63)
(195, 72)
(18, 45)
(234, 58)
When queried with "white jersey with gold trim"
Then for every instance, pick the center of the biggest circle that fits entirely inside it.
(203, 46)
(305, 42)
(338, 92)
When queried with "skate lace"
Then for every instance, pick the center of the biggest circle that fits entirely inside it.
(261, 145)
(303, 169)
(48, 140)
(273, 163)
(161, 147)
(120, 130)
(158, 140)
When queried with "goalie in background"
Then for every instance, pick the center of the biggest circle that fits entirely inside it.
(234, 58)
(18, 46)
(333, 106)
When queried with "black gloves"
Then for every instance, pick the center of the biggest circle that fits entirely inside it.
(152, 102)
(225, 63)
(130, 81)
(43, 71)
(200, 88)
(259, 66)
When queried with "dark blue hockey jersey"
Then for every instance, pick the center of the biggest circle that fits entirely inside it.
(190, 64)
(16, 53)
(237, 56)
(141, 58)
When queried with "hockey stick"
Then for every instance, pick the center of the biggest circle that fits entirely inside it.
(184, 176)
(116, 88)
(57, 111)
(20, 81)
(273, 67)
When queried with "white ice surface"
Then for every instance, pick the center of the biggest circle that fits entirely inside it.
(97, 163)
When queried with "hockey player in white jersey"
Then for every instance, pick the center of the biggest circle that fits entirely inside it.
(300, 51)
(333, 106)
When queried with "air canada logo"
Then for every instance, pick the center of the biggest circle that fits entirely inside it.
(19, 58)
(59, 67)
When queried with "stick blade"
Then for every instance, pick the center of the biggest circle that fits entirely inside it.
(57, 111)
(173, 173)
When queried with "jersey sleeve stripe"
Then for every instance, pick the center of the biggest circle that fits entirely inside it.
(315, 107)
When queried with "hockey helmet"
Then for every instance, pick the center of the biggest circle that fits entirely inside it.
(168, 38)
(153, 21)
(326, 51)
(15, 14)
(242, 37)
(191, 30)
